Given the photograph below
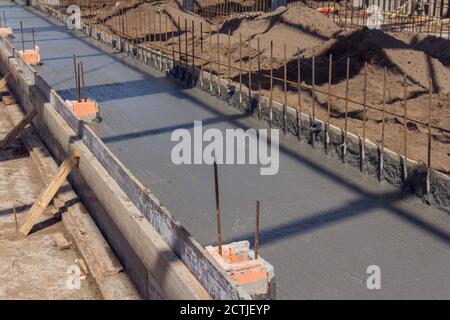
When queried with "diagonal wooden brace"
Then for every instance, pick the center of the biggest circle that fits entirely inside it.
(4, 80)
(18, 128)
(49, 192)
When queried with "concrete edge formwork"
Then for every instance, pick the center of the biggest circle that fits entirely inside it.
(431, 186)
(156, 251)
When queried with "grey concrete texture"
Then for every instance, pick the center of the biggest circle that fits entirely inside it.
(322, 224)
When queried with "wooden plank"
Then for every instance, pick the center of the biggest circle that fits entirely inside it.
(17, 129)
(47, 195)
(60, 241)
(4, 80)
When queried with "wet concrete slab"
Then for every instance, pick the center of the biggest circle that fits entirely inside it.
(322, 223)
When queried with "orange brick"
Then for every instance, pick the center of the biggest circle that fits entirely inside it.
(84, 108)
(32, 57)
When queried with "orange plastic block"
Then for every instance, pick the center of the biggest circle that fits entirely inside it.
(253, 272)
(84, 108)
(325, 10)
(239, 264)
(6, 32)
(32, 57)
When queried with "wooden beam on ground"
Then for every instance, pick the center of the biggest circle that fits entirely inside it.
(4, 80)
(17, 129)
(49, 192)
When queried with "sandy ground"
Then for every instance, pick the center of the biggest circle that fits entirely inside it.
(303, 30)
(32, 267)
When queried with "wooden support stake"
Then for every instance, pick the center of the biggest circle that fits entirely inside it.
(4, 80)
(49, 192)
(17, 129)
(15, 218)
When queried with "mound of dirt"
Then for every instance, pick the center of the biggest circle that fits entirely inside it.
(380, 50)
(297, 27)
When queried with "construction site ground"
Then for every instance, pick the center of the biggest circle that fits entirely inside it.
(32, 267)
(322, 222)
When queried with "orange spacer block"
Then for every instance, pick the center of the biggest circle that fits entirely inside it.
(30, 56)
(238, 262)
(325, 10)
(84, 108)
(6, 32)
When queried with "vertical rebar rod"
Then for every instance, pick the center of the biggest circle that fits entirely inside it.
(363, 144)
(179, 48)
(218, 60)
(79, 82)
(210, 59)
(271, 85)
(76, 77)
(383, 125)
(257, 230)
(229, 57)
(201, 53)
(160, 41)
(285, 88)
(172, 27)
(405, 127)
(186, 62)
(347, 87)
(330, 71)
(23, 40)
(216, 188)
(299, 95)
(249, 74)
(83, 80)
(240, 67)
(34, 39)
(259, 79)
(313, 136)
(193, 53)
(430, 101)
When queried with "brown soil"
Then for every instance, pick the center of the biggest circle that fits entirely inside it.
(301, 29)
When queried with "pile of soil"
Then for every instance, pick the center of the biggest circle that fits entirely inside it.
(297, 27)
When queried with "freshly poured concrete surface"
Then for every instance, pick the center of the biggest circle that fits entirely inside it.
(322, 223)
